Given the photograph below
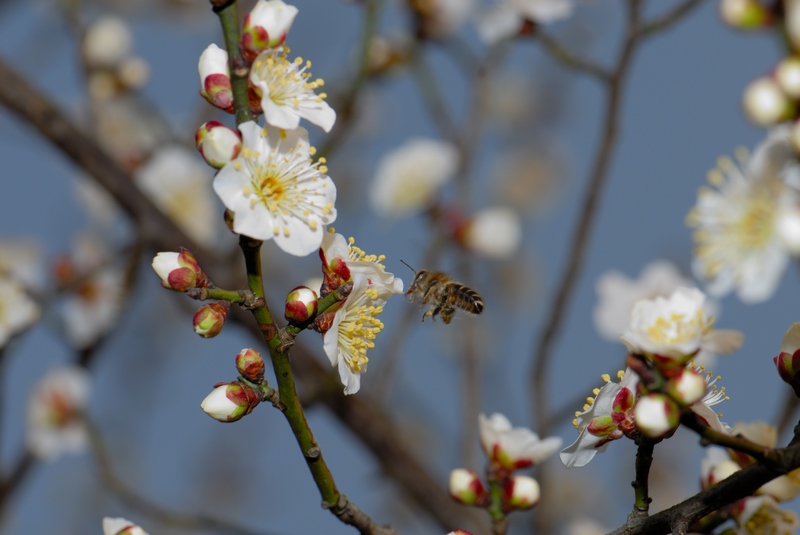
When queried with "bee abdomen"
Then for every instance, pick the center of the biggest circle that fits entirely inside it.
(467, 299)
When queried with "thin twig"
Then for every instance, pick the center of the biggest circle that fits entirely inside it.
(669, 18)
(117, 485)
(570, 59)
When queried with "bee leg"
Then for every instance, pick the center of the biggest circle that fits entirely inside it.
(447, 314)
(431, 313)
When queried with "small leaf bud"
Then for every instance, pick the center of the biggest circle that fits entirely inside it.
(656, 415)
(250, 365)
(229, 402)
(210, 318)
(301, 304)
(466, 487)
(522, 492)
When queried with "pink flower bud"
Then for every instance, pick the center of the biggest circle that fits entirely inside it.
(522, 492)
(229, 402)
(250, 365)
(215, 78)
(301, 304)
(210, 318)
(765, 103)
(466, 487)
(788, 361)
(179, 271)
(120, 526)
(656, 415)
(217, 143)
(266, 26)
(686, 387)
(744, 14)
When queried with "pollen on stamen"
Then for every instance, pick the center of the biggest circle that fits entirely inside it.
(605, 377)
(276, 230)
(595, 391)
(590, 401)
(742, 154)
(620, 374)
(715, 177)
(312, 224)
(575, 423)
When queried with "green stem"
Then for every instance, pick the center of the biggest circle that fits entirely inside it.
(229, 17)
(644, 458)
(219, 294)
(290, 403)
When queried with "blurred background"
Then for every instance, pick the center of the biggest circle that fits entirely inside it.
(528, 128)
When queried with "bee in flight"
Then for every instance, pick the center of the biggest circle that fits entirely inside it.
(443, 294)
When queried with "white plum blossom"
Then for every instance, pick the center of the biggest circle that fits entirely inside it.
(516, 447)
(121, 526)
(286, 92)
(353, 329)
(609, 416)
(443, 18)
(55, 425)
(266, 25)
(275, 192)
(505, 18)
(17, 310)
(674, 329)
(494, 233)
(178, 183)
(617, 294)
(334, 246)
(408, 178)
(745, 225)
(761, 514)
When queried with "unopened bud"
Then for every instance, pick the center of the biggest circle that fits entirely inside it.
(107, 42)
(686, 387)
(466, 487)
(494, 233)
(133, 72)
(250, 365)
(229, 402)
(656, 415)
(744, 14)
(788, 360)
(217, 143)
(522, 492)
(266, 26)
(120, 526)
(215, 77)
(179, 271)
(301, 304)
(459, 532)
(765, 103)
(210, 318)
(787, 74)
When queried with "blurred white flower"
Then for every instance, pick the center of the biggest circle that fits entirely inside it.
(55, 408)
(287, 91)
(443, 18)
(17, 310)
(617, 293)
(93, 305)
(506, 18)
(128, 130)
(275, 192)
(673, 329)
(494, 233)
(739, 242)
(106, 42)
(121, 526)
(408, 178)
(22, 261)
(585, 526)
(761, 514)
(178, 182)
(513, 447)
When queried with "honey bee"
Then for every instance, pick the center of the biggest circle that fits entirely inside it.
(443, 294)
